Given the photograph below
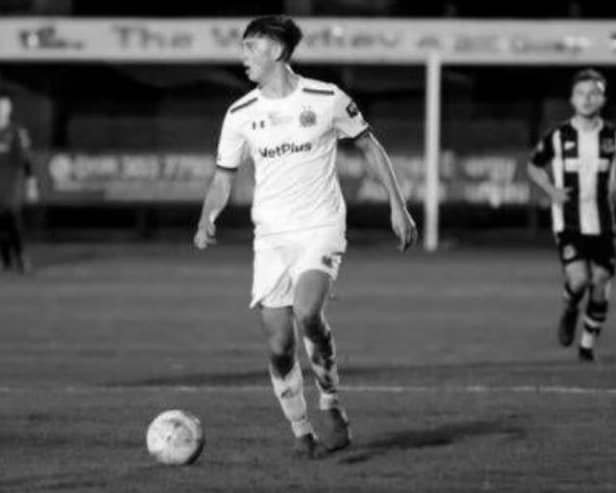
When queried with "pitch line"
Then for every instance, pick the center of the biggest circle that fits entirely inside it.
(379, 389)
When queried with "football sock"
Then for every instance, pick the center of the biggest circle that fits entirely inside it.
(587, 340)
(572, 298)
(594, 318)
(322, 354)
(289, 390)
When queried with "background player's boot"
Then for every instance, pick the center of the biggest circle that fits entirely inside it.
(337, 433)
(586, 354)
(308, 447)
(566, 326)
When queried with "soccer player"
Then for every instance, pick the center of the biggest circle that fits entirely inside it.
(289, 125)
(15, 178)
(574, 165)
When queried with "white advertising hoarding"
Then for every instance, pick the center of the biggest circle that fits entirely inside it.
(327, 40)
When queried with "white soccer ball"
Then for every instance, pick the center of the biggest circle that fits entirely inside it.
(175, 437)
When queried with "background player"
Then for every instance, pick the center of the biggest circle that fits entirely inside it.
(289, 125)
(573, 165)
(16, 178)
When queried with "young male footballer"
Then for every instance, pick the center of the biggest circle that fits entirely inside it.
(574, 165)
(289, 125)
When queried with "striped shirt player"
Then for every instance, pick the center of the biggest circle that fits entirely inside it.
(582, 162)
(574, 165)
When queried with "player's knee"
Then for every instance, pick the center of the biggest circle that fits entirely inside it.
(310, 319)
(578, 283)
(282, 362)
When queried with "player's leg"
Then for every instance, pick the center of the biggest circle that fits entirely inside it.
(286, 376)
(577, 279)
(311, 293)
(5, 245)
(15, 240)
(596, 311)
(602, 270)
(272, 292)
(5, 253)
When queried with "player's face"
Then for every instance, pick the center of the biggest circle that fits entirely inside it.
(5, 111)
(259, 56)
(587, 98)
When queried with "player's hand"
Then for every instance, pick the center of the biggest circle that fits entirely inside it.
(404, 227)
(205, 236)
(560, 195)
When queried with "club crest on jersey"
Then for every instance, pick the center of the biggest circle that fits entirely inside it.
(569, 144)
(608, 145)
(307, 118)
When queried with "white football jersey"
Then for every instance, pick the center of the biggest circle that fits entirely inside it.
(293, 142)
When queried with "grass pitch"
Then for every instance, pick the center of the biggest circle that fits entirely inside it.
(453, 377)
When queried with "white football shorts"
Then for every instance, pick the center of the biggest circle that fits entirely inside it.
(279, 261)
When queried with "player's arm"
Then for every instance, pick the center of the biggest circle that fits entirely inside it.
(612, 182)
(536, 170)
(229, 157)
(216, 199)
(612, 185)
(349, 123)
(375, 155)
(24, 146)
(540, 177)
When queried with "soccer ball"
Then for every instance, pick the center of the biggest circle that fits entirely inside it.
(175, 437)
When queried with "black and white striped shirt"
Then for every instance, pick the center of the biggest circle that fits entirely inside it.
(582, 161)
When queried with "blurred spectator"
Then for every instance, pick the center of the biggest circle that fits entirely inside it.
(17, 183)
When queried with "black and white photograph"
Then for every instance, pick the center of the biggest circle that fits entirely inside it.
(307, 245)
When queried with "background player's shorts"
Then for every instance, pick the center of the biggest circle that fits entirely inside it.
(280, 260)
(598, 249)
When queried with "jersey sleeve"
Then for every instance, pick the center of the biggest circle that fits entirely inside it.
(543, 153)
(231, 145)
(348, 120)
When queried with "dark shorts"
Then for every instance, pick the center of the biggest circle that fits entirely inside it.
(598, 249)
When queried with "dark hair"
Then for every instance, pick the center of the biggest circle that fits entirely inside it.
(4, 94)
(279, 27)
(589, 74)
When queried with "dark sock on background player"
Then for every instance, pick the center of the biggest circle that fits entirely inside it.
(594, 318)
